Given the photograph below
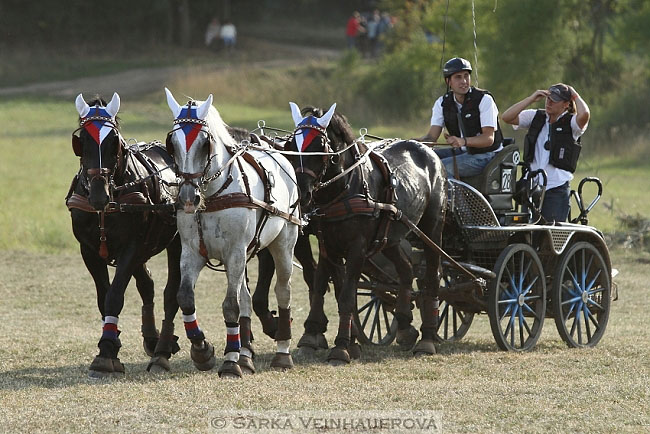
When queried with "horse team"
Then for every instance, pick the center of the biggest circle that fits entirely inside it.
(215, 193)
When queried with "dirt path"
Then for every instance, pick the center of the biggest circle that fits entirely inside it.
(146, 80)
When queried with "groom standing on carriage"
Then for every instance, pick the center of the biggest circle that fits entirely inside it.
(470, 116)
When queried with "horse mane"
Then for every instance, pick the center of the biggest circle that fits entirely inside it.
(339, 130)
(239, 134)
(98, 100)
(217, 126)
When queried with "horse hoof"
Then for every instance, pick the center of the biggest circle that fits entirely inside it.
(149, 345)
(159, 365)
(407, 338)
(321, 341)
(203, 358)
(281, 362)
(105, 367)
(355, 351)
(338, 357)
(229, 369)
(424, 348)
(246, 364)
(306, 352)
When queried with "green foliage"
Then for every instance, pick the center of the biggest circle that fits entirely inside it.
(404, 83)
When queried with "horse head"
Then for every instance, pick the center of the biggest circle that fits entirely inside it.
(99, 145)
(315, 142)
(197, 139)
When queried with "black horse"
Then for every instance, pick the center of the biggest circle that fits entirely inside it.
(113, 177)
(357, 196)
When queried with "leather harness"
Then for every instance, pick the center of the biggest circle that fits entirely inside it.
(218, 202)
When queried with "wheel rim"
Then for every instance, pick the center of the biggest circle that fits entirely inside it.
(375, 323)
(581, 296)
(517, 299)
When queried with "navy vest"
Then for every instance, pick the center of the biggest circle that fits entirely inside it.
(471, 118)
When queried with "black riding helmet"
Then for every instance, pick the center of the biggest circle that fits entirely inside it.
(455, 65)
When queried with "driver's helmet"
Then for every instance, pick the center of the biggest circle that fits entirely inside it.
(455, 65)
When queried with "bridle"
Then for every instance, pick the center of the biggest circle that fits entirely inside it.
(328, 155)
(105, 173)
(188, 178)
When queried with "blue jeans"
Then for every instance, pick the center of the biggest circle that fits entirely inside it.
(556, 204)
(468, 164)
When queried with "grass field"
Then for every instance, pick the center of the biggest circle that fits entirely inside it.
(50, 324)
(50, 327)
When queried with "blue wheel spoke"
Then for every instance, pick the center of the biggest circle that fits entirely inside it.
(510, 300)
(374, 324)
(589, 300)
(591, 284)
(585, 314)
(594, 321)
(521, 329)
(566, 318)
(571, 300)
(532, 311)
(387, 322)
(528, 288)
(365, 319)
(579, 328)
(505, 312)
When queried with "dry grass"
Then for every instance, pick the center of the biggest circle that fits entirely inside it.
(50, 327)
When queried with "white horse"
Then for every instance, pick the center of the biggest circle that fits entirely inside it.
(235, 202)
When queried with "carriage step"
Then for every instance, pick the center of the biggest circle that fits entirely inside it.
(482, 272)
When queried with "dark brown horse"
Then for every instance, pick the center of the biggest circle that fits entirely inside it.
(112, 177)
(357, 196)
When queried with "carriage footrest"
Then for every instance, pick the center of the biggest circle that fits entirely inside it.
(475, 269)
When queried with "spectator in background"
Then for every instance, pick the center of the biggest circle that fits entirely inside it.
(228, 35)
(212, 34)
(384, 26)
(373, 31)
(353, 29)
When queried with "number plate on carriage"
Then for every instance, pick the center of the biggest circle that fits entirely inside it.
(506, 180)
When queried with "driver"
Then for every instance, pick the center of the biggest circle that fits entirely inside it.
(471, 118)
(553, 141)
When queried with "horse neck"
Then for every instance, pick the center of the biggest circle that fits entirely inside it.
(343, 186)
(220, 155)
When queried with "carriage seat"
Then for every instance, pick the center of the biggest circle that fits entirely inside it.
(497, 181)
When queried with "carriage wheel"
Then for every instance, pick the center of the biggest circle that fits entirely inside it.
(517, 298)
(581, 295)
(453, 323)
(374, 320)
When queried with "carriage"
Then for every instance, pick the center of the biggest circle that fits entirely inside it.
(501, 260)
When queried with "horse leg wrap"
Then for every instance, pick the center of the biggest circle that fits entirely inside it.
(345, 326)
(246, 352)
(404, 320)
(167, 343)
(233, 341)
(148, 322)
(284, 325)
(269, 323)
(192, 329)
(109, 344)
(429, 313)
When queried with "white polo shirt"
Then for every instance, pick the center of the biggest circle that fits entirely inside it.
(556, 177)
(487, 108)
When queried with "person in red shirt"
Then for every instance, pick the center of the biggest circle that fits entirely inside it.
(353, 29)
